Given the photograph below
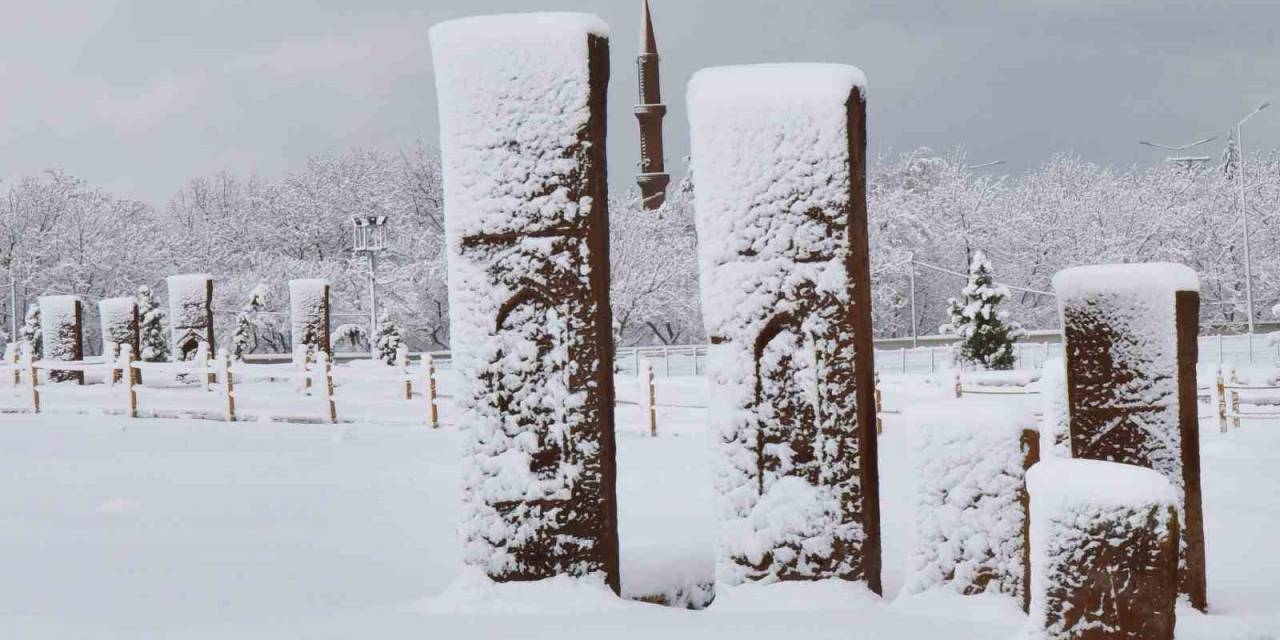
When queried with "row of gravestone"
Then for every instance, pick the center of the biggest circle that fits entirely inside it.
(779, 155)
(190, 320)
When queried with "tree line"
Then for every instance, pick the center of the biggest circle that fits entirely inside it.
(61, 235)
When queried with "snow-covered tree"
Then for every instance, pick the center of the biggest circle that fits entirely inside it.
(30, 331)
(654, 270)
(151, 330)
(389, 339)
(355, 335)
(245, 339)
(986, 334)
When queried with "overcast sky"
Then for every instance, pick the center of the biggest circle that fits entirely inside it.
(139, 96)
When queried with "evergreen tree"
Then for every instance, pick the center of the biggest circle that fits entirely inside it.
(1231, 156)
(389, 339)
(245, 339)
(986, 334)
(151, 334)
(30, 332)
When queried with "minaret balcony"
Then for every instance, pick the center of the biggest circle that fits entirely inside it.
(651, 109)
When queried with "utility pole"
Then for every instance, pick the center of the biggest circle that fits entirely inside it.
(911, 273)
(13, 304)
(1244, 223)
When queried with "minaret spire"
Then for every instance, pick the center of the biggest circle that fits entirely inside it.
(652, 178)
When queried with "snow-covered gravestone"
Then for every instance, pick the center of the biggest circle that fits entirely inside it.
(1104, 551)
(190, 314)
(522, 119)
(309, 313)
(971, 514)
(119, 319)
(62, 334)
(779, 155)
(1055, 430)
(1131, 333)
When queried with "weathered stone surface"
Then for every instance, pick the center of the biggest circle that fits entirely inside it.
(522, 104)
(62, 334)
(1105, 551)
(779, 155)
(190, 314)
(1131, 347)
(971, 519)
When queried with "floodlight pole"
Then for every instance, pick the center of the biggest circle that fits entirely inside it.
(373, 303)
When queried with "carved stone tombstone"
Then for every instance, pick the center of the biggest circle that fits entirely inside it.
(779, 155)
(309, 313)
(62, 334)
(190, 314)
(119, 319)
(1104, 540)
(522, 117)
(971, 524)
(1130, 333)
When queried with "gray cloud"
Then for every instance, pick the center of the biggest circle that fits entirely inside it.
(141, 95)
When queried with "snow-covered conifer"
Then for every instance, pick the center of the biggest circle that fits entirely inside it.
(1231, 156)
(389, 339)
(155, 342)
(986, 334)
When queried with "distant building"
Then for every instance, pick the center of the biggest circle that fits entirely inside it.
(653, 178)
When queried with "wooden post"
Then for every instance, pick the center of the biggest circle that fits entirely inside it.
(12, 357)
(959, 389)
(402, 363)
(33, 378)
(228, 385)
(1222, 403)
(650, 403)
(1235, 400)
(429, 364)
(131, 380)
(325, 369)
(879, 406)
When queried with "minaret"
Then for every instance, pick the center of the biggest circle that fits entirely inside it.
(652, 178)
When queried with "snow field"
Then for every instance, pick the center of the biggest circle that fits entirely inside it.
(197, 529)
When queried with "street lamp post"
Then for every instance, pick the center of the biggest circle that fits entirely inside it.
(1188, 161)
(370, 239)
(1244, 223)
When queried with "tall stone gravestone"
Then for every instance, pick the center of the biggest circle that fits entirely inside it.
(62, 334)
(309, 314)
(522, 123)
(119, 319)
(779, 155)
(1130, 333)
(190, 314)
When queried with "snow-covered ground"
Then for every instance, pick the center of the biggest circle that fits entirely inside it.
(118, 528)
